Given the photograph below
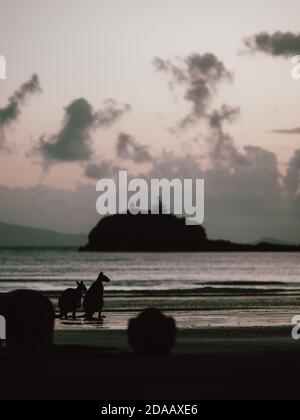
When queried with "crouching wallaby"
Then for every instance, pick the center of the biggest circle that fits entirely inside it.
(94, 301)
(152, 333)
(29, 320)
(70, 300)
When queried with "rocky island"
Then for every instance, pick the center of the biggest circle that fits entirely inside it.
(163, 233)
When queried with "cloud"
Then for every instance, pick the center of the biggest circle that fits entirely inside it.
(10, 113)
(111, 113)
(73, 142)
(278, 44)
(243, 202)
(128, 149)
(169, 165)
(292, 131)
(292, 178)
(200, 75)
(105, 169)
(221, 145)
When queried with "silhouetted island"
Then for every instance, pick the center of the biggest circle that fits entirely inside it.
(163, 233)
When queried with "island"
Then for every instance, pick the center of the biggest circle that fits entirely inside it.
(163, 233)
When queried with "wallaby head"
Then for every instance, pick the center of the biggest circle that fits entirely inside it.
(102, 278)
(81, 287)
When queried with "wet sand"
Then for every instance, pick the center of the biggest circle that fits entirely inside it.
(212, 363)
(189, 320)
(196, 310)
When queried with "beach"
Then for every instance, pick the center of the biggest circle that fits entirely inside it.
(231, 363)
(233, 315)
(245, 351)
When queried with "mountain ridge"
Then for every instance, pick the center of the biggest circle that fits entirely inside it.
(14, 235)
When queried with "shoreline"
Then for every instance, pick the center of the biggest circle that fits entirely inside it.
(190, 319)
(239, 364)
(189, 340)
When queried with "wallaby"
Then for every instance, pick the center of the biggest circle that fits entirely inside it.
(152, 333)
(29, 320)
(93, 301)
(70, 300)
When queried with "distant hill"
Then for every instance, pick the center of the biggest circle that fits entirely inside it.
(163, 233)
(275, 241)
(144, 233)
(21, 236)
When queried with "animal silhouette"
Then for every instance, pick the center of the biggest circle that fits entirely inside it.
(152, 333)
(94, 301)
(70, 300)
(29, 322)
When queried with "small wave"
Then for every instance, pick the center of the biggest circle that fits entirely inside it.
(174, 293)
(250, 283)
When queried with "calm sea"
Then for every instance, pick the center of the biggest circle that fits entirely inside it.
(55, 270)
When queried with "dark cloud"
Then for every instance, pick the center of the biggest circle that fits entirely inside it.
(129, 149)
(10, 113)
(111, 113)
(73, 142)
(105, 169)
(292, 131)
(284, 44)
(221, 145)
(200, 75)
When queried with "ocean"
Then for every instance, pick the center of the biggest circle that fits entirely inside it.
(199, 289)
(56, 269)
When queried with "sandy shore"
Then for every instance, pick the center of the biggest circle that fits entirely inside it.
(207, 340)
(212, 363)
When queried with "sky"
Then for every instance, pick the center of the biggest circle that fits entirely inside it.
(163, 88)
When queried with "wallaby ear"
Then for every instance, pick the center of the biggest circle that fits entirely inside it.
(78, 284)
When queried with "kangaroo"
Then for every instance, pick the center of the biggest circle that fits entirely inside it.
(70, 300)
(93, 301)
(29, 320)
(152, 333)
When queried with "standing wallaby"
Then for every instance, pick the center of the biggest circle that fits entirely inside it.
(70, 300)
(93, 301)
(29, 320)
